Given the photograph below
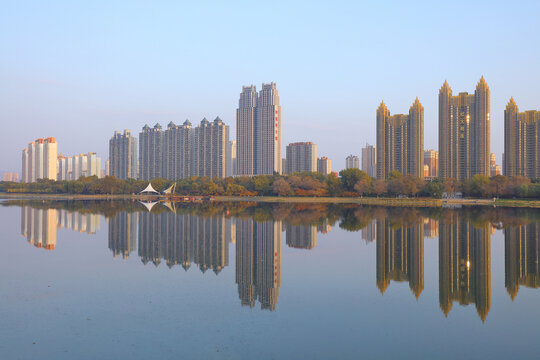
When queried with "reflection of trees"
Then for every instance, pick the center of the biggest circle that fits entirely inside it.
(351, 217)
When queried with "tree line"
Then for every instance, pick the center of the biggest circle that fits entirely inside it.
(348, 183)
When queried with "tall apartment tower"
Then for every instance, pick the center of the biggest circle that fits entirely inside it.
(150, 152)
(246, 115)
(39, 160)
(258, 131)
(369, 160)
(177, 151)
(464, 132)
(521, 143)
(210, 144)
(268, 160)
(400, 141)
(301, 157)
(123, 156)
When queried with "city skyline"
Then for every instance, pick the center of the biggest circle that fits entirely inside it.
(71, 95)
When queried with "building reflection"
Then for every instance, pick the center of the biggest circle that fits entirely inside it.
(301, 236)
(39, 226)
(123, 234)
(431, 228)
(258, 262)
(183, 240)
(522, 257)
(370, 231)
(400, 255)
(464, 264)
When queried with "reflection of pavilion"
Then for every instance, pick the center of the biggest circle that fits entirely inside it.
(183, 239)
(301, 236)
(258, 262)
(464, 264)
(400, 255)
(522, 257)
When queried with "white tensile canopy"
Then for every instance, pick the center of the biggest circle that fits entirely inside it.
(149, 188)
(170, 190)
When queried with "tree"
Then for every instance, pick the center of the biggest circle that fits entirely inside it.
(378, 187)
(349, 178)
(362, 187)
(333, 184)
(450, 185)
(280, 187)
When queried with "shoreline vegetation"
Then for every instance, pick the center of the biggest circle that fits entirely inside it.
(352, 186)
(381, 201)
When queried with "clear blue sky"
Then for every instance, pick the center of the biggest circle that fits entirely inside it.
(80, 70)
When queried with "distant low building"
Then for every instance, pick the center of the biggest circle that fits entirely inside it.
(369, 160)
(324, 165)
(10, 176)
(352, 162)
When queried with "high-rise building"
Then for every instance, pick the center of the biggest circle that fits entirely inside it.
(522, 257)
(123, 156)
(324, 165)
(431, 160)
(464, 132)
(369, 160)
(177, 151)
(352, 162)
(246, 117)
(521, 142)
(301, 157)
(151, 152)
(464, 264)
(210, 144)
(231, 158)
(400, 141)
(400, 255)
(39, 160)
(268, 139)
(258, 131)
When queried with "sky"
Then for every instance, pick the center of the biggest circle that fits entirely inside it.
(78, 71)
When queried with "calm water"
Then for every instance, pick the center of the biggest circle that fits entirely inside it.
(113, 280)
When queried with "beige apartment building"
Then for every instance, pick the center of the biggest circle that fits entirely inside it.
(521, 145)
(400, 141)
(464, 132)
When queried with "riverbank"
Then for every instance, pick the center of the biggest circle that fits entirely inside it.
(399, 202)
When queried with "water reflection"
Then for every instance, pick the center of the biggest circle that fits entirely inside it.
(39, 226)
(522, 257)
(202, 234)
(400, 255)
(464, 264)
